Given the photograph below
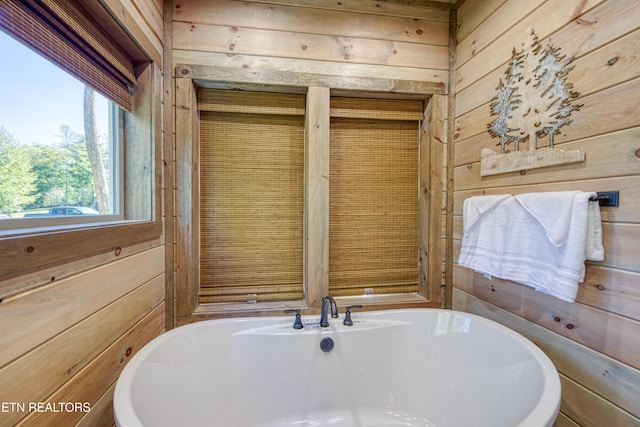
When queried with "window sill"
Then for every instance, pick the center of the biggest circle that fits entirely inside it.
(374, 302)
(54, 228)
(387, 302)
(27, 250)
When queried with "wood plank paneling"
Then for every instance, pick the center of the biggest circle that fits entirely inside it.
(599, 380)
(251, 41)
(473, 13)
(618, 382)
(101, 413)
(607, 156)
(35, 317)
(608, 289)
(350, 38)
(45, 276)
(587, 408)
(279, 17)
(91, 382)
(437, 12)
(491, 51)
(37, 374)
(605, 111)
(605, 332)
(598, 33)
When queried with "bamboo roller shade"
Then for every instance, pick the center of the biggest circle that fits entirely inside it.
(379, 109)
(64, 32)
(250, 102)
(373, 197)
(251, 201)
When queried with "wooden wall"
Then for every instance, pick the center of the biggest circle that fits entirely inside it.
(68, 337)
(347, 38)
(593, 342)
(348, 43)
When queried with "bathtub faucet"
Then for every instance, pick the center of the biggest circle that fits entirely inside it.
(326, 301)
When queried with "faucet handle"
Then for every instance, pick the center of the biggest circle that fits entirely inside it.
(347, 315)
(297, 324)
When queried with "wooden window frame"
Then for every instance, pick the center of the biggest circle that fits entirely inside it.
(37, 256)
(318, 90)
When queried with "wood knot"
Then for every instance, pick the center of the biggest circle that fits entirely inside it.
(581, 21)
(612, 60)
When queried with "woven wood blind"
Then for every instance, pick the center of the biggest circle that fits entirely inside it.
(373, 199)
(251, 204)
(64, 32)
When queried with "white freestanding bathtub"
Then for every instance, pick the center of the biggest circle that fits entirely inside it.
(417, 367)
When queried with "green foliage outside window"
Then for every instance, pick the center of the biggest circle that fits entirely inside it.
(35, 176)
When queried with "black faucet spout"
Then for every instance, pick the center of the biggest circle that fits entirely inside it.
(327, 302)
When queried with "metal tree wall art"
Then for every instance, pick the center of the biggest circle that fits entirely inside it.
(534, 100)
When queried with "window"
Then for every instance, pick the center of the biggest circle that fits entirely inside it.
(59, 145)
(251, 196)
(402, 131)
(79, 38)
(373, 196)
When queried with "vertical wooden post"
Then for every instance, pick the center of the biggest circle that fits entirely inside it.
(317, 195)
(187, 199)
(436, 172)
(168, 166)
(430, 208)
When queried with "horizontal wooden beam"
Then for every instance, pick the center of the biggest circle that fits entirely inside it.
(212, 76)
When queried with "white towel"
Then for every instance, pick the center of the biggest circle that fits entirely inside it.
(486, 226)
(537, 239)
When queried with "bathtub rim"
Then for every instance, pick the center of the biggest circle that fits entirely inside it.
(540, 415)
